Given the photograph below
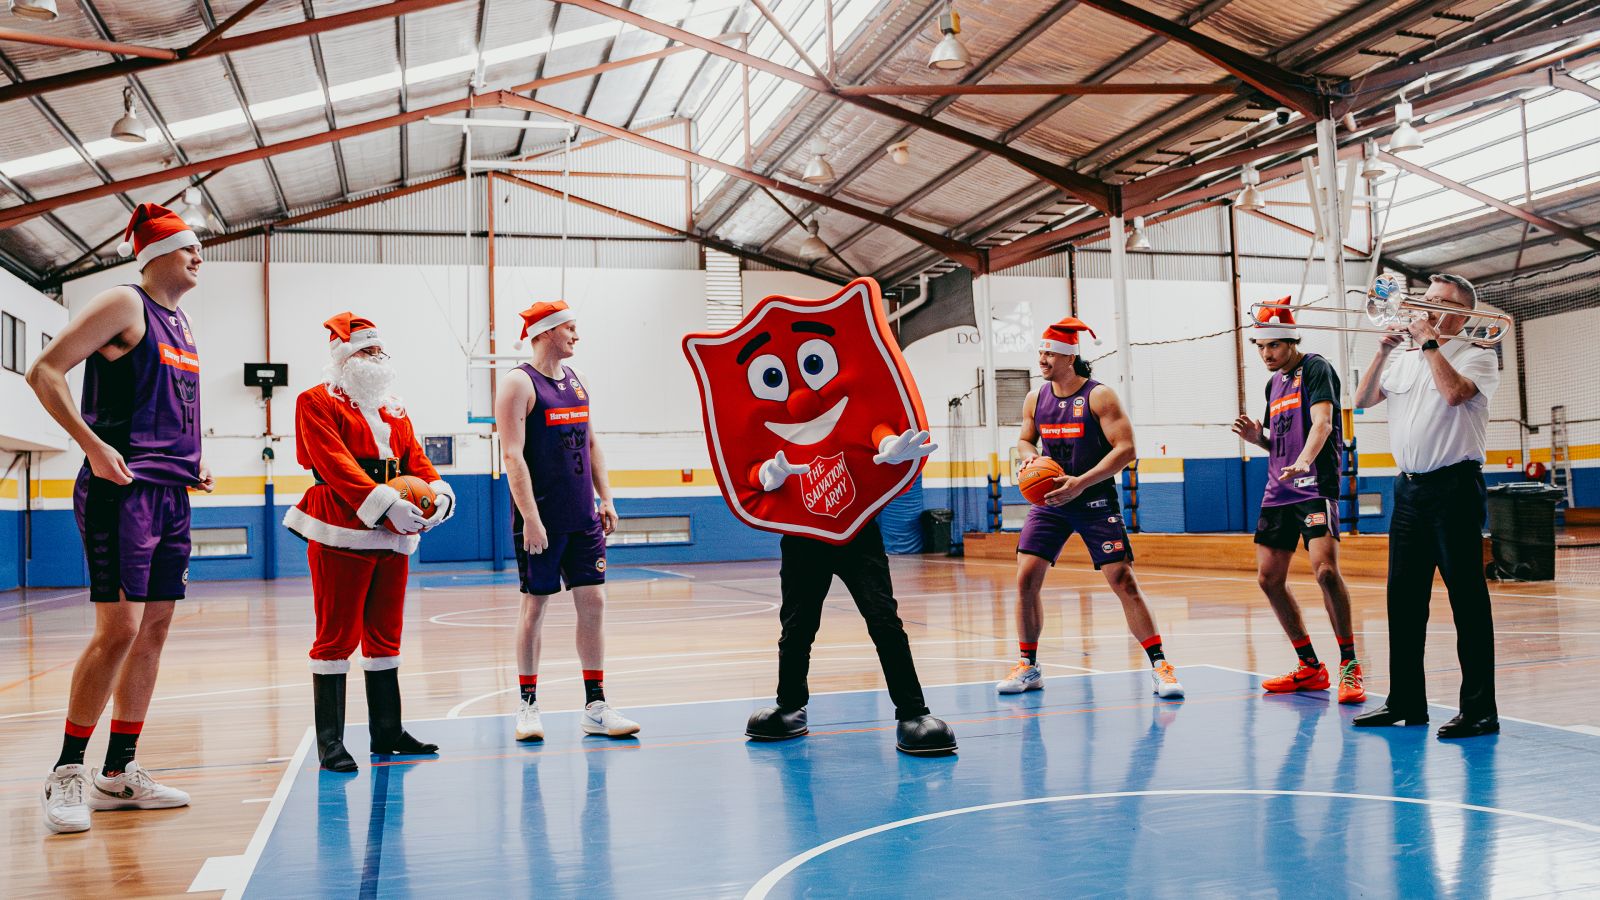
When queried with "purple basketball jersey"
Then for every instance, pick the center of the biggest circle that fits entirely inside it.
(146, 404)
(556, 449)
(1070, 434)
(1290, 395)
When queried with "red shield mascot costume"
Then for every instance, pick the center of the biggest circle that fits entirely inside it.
(354, 436)
(814, 424)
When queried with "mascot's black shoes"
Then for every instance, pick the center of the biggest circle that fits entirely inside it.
(774, 724)
(925, 736)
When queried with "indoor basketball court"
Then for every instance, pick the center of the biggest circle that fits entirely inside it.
(1081, 448)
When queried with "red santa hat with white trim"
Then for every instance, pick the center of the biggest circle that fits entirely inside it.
(1062, 337)
(153, 230)
(541, 317)
(349, 334)
(1274, 322)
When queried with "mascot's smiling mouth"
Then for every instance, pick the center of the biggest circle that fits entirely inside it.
(809, 432)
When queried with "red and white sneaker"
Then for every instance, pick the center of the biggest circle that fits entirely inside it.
(1351, 690)
(133, 789)
(1303, 678)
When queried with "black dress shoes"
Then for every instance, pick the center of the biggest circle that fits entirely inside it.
(1383, 716)
(924, 736)
(1463, 727)
(774, 724)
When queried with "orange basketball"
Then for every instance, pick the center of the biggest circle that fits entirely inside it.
(414, 490)
(1037, 478)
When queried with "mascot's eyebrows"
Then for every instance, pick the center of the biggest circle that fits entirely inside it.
(752, 346)
(813, 328)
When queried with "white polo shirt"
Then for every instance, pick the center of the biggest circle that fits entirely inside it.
(1426, 432)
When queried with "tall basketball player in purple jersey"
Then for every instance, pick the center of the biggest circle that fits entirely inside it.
(1301, 432)
(1082, 426)
(555, 469)
(140, 432)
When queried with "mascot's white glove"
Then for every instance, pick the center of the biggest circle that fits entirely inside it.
(775, 471)
(443, 504)
(912, 445)
(405, 517)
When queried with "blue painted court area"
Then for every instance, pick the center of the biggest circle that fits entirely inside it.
(1091, 787)
(446, 580)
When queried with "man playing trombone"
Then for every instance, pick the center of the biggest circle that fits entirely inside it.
(1438, 393)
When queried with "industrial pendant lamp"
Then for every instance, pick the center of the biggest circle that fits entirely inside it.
(128, 128)
(950, 54)
(1406, 137)
(1249, 198)
(817, 170)
(1138, 240)
(40, 10)
(812, 248)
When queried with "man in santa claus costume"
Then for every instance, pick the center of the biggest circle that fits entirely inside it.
(354, 436)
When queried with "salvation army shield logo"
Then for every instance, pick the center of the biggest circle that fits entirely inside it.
(821, 382)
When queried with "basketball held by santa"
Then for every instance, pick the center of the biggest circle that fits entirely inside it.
(1038, 477)
(415, 491)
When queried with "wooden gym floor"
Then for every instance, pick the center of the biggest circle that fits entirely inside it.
(233, 701)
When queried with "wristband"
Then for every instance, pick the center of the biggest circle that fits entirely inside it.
(1430, 344)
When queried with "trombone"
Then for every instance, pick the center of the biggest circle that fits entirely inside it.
(1386, 310)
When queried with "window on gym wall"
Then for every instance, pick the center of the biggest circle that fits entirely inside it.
(13, 334)
(650, 530)
(220, 541)
(1011, 388)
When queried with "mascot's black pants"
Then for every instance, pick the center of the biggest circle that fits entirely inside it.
(809, 567)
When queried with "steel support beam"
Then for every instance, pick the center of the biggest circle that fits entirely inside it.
(327, 99)
(1541, 222)
(1289, 88)
(964, 90)
(1390, 79)
(224, 45)
(72, 43)
(216, 31)
(48, 112)
(209, 17)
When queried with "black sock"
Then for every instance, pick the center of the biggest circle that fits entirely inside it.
(1307, 654)
(529, 687)
(1152, 649)
(120, 751)
(593, 686)
(73, 745)
(1347, 650)
(1030, 651)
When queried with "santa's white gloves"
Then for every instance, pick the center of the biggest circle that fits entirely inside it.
(443, 503)
(405, 517)
(912, 445)
(775, 471)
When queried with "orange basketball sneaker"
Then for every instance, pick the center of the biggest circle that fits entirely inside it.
(1350, 688)
(1303, 678)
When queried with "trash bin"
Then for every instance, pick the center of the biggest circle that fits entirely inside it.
(936, 530)
(1522, 530)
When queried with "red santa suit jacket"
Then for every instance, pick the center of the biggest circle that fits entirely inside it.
(346, 510)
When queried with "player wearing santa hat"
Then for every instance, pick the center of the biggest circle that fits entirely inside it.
(555, 468)
(140, 432)
(1300, 503)
(1084, 429)
(354, 436)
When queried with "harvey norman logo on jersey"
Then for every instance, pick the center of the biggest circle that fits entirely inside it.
(570, 415)
(1061, 432)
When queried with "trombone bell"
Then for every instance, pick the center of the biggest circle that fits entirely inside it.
(1385, 312)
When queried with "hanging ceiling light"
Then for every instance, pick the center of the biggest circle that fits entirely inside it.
(899, 152)
(812, 248)
(1138, 240)
(193, 211)
(1405, 137)
(1249, 198)
(128, 128)
(1371, 169)
(950, 54)
(42, 10)
(817, 170)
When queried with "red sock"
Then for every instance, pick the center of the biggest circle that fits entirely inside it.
(1152, 648)
(1303, 647)
(593, 685)
(529, 685)
(74, 743)
(1030, 651)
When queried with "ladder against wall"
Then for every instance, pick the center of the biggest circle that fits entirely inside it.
(1560, 454)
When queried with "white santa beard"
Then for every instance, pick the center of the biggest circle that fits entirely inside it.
(366, 381)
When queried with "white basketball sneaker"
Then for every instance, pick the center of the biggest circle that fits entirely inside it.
(133, 789)
(64, 808)
(1166, 681)
(1024, 677)
(529, 726)
(600, 718)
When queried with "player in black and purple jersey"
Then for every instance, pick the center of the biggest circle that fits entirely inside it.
(1081, 425)
(140, 432)
(1302, 434)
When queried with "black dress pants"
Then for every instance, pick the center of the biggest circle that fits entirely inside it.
(808, 569)
(1437, 524)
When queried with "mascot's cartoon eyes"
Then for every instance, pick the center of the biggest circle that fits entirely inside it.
(818, 363)
(768, 379)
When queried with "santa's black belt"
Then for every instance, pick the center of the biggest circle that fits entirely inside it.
(379, 470)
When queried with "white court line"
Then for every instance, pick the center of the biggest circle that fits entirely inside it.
(242, 867)
(44, 600)
(770, 880)
(455, 711)
(257, 800)
(766, 606)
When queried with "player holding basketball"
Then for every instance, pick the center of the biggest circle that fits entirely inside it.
(140, 432)
(555, 469)
(1301, 432)
(1084, 429)
(354, 436)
